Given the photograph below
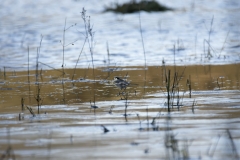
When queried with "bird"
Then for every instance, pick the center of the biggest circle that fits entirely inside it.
(120, 83)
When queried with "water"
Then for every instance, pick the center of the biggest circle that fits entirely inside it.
(205, 126)
(72, 131)
(187, 27)
(202, 127)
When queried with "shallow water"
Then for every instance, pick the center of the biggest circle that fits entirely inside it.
(205, 126)
(187, 27)
(209, 129)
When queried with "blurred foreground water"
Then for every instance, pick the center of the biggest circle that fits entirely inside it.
(139, 126)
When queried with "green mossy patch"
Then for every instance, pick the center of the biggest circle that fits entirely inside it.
(133, 6)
